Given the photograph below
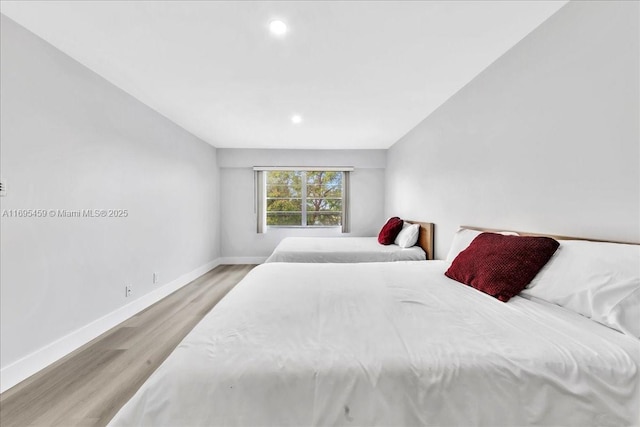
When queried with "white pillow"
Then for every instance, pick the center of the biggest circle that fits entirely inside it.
(463, 238)
(408, 236)
(598, 280)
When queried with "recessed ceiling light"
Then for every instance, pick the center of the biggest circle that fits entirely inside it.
(296, 119)
(278, 27)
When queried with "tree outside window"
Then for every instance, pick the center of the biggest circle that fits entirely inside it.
(304, 198)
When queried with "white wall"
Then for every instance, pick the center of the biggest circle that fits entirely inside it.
(239, 240)
(545, 139)
(71, 140)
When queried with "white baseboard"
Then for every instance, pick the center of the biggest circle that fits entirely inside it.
(243, 260)
(23, 368)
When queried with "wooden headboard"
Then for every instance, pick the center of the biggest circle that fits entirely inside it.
(526, 233)
(425, 238)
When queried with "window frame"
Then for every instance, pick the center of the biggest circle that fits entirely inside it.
(261, 197)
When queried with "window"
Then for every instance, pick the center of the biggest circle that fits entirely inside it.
(302, 197)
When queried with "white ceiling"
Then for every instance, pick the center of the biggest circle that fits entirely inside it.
(362, 74)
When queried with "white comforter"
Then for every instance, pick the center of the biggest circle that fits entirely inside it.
(388, 344)
(342, 249)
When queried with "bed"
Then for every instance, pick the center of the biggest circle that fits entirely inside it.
(388, 344)
(352, 249)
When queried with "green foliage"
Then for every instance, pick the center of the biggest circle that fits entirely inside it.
(323, 203)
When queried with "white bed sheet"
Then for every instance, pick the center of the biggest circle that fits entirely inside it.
(388, 344)
(342, 249)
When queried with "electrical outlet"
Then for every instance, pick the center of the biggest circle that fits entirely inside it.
(127, 290)
(156, 277)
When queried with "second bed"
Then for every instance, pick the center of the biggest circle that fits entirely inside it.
(353, 249)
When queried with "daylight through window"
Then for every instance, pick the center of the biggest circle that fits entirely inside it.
(304, 198)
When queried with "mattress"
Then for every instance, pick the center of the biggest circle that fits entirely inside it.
(387, 344)
(342, 249)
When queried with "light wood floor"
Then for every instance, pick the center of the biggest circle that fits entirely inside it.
(88, 386)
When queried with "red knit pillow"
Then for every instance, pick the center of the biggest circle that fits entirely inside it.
(390, 231)
(501, 266)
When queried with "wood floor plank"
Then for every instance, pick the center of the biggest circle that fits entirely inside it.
(90, 385)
